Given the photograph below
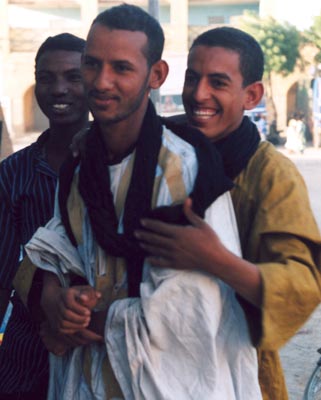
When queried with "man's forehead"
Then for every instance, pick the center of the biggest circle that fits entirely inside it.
(115, 44)
(102, 32)
(59, 60)
(213, 56)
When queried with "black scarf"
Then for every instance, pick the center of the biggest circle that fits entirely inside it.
(236, 149)
(94, 187)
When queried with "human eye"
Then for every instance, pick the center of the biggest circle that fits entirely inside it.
(89, 62)
(218, 83)
(122, 67)
(75, 76)
(43, 78)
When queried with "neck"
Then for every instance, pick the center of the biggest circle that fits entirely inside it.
(63, 134)
(58, 144)
(120, 137)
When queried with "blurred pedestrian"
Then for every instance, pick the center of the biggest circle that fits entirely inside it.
(296, 134)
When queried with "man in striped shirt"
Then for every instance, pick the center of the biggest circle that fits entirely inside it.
(27, 188)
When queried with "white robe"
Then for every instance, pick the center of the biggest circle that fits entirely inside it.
(184, 338)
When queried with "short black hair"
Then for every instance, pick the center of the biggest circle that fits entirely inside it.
(63, 41)
(132, 18)
(250, 52)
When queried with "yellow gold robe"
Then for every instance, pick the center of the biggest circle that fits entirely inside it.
(279, 234)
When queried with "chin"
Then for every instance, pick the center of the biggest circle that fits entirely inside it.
(65, 121)
(211, 134)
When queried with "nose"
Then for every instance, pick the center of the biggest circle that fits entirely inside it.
(60, 87)
(201, 90)
(104, 79)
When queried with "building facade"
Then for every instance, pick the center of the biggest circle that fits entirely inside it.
(25, 24)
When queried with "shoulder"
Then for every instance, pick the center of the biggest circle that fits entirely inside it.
(25, 156)
(271, 196)
(269, 180)
(17, 169)
(177, 158)
(18, 159)
(268, 163)
(184, 137)
(177, 144)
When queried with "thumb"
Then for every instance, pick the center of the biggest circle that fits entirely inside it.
(193, 218)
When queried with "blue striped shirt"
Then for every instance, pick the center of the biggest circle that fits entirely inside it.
(27, 191)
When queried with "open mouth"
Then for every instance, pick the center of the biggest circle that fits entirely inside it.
(60, 107)
(204, 113)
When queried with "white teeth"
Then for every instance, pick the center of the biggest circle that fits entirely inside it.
(60, 106)
(204, 113)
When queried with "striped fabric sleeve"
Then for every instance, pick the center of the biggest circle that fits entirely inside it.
(10, 237)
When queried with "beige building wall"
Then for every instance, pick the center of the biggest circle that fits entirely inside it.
(17, 98)
(176, 42)
(19, 107)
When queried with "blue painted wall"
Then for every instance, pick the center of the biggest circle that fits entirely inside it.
(199, 15)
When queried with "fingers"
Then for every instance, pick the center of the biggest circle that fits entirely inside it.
(72, 315)
(147, 237)
(65, 313)
(70, 301)
(193, 218)
(156, 250)
(59, 344)
(88, 297)
(69, 328)
(166, 230)
(158, 227)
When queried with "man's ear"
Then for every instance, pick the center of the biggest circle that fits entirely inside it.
(158, 74)
(254, 94)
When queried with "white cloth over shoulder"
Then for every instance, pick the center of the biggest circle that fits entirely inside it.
(185, 338)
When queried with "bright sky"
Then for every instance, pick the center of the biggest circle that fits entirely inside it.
(298, 13)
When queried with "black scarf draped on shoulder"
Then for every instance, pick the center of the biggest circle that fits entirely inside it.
(94, 187)
(237, 148)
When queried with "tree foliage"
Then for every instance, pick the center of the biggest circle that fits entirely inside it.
(313, 36)
(280, 42)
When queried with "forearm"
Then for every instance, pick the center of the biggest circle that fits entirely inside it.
(50, 282)
(50, 292)
(244, 277)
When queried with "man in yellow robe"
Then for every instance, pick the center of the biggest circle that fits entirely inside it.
(278, 279)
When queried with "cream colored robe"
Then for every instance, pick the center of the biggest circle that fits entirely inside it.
(185, 337)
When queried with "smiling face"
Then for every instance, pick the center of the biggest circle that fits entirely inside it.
(116, 75)
(214, 97)
(59, 88)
